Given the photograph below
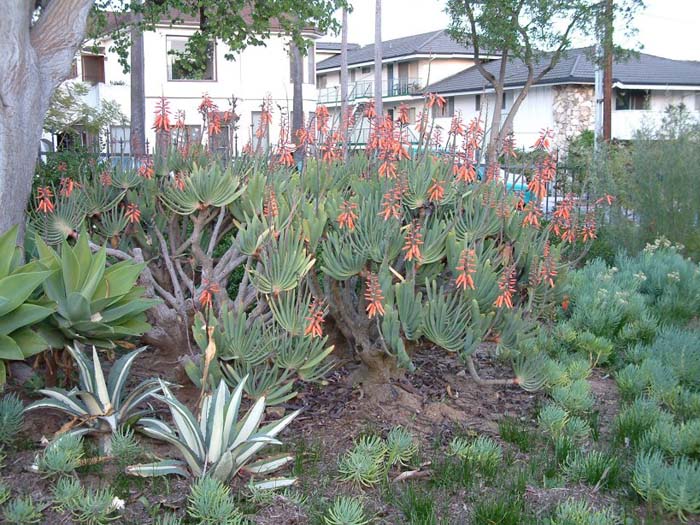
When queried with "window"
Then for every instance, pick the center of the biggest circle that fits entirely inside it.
(93, 68)
(322, 81)
(185, 68)
(448, 110)
(504, 102)
(412, 115)
(366, 70)
(353, 75)
(697, 101)
(477, 102)
(632, 99)
(120, 140)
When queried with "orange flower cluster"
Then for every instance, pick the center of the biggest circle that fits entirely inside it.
(548, 270)
(106, 178)
(435, 99)
(322, 119)
(370, 113)
(347, 216)
(390, 144)
(179, 119)
(67, 186)
(532, 215)
(43, 196)
(317, 312)
(562, 221)
(436, 192)
(544, 140)
(285, 149)
(331, 149)
(146, 169)
(403, 119)
(391, 205)
(546, 169)
(506, 285)
(413, 242)
(306, 137)
(466, 269)
(509, 145)
(373, 296)
(206, 297)
(270, 205)
(265, 118)
(214, 123)
(206, 105)
(162, 120)
(132, 213)
(588, 230)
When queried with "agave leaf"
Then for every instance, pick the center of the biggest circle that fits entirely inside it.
(9, 349)
(276, 483)
(16, 288)
(29, 341)
(215, 436)
(194, 461)
(267, 465)
(232, 412)
(249, 423)
(160, 468)
(24, 315)
(184, 420)
(118, 375)
(69, 404)
(86, 374)
(8, 245)
(223, 469)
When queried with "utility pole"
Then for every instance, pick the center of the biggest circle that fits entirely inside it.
(344, 82)
(378, 61)
(608, 73)
(138, 91)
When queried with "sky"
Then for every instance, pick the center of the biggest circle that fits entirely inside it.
(667, 28)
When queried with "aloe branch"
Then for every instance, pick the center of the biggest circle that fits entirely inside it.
(169, 264)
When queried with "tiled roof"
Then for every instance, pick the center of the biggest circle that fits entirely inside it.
(433, 43)
(577, 67)
(333, 46)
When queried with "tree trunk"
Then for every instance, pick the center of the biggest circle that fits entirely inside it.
(344, 121)
(138, 93)
(36, 58)
(297, 99)
(378, 105)
(608, 72)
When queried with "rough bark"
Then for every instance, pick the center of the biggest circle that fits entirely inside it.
(378, 105)
(138, 93)
(344, 81)
(36, 59)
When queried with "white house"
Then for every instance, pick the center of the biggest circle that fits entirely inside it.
(255, 74)
(409, 64)
(564, 99)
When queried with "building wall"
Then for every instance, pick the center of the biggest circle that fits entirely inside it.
(255, 73)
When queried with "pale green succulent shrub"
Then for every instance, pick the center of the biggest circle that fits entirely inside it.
(346, 510)
(210, 503)
(11, 418)
(22, 511)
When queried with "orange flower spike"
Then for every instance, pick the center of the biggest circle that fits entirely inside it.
(509, 146)
(532, 218)
(162, 120)
(391, 205)
(414, 240)
(543, 141)
(206, 298)
(44, 195)
(106, 178)
(466, 269)
(608, 199)
(507, 287)
(322, 118)
(436, 192)
(373, 296)
(146, 170)
(403, 114)
(387, 169)
(67, 186)
(214, 123)
(588, 232)
(370, 111)
(347, 216)
(315, 319)
(270, 205)
(132, 213)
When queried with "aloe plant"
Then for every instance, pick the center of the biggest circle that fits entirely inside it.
(103, 405)
(96, 304)
(217, 443)
(18, 312)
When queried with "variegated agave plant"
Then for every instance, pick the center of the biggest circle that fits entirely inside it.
(216, 444)
(103, 405)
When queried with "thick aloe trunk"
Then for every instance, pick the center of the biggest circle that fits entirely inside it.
(37, 49)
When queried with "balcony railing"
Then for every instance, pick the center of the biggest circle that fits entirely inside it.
(395, 87)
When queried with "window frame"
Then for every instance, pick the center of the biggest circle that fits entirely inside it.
(169, 57)
(632, 95)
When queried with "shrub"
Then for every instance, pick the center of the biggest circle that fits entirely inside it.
(346, 511)
(364, 464)
(401, 446)
(11, 418)
(210, 503)
(62, 456)
(22, 511)
(594, 468)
